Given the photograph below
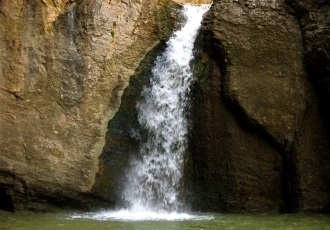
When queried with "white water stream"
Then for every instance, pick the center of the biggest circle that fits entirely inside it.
(152, 189)
(154, 181)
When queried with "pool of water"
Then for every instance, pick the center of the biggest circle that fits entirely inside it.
(122, 220)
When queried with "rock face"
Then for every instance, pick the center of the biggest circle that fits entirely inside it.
(259, 140)
(315, 24)
(63, 68)
(261, 99)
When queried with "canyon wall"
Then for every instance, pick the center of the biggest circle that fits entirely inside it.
(259, 139)
(63, 68)
(314, 21)
(260, 115)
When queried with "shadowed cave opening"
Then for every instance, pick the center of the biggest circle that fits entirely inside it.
(6, 199)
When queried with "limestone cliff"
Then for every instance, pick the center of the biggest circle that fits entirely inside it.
(259, 140)
(63, 68)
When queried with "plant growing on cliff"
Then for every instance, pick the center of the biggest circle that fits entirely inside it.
(112, 33)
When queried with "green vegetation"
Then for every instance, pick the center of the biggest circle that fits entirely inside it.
(112, 33)
(79, 1)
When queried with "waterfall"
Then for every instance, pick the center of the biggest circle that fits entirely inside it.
(154, 180)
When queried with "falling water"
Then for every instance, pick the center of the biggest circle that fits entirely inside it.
(154, 180)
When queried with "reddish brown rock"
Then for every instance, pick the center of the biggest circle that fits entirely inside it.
(63, 68)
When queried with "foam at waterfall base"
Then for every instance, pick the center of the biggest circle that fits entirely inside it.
(128, 215)
(154, 181)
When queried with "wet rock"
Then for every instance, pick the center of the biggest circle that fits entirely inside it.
(264, 90)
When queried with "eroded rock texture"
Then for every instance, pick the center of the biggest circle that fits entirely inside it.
(315, 24)
(63, 68)
(259, 141)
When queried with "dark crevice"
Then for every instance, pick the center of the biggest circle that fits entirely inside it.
(314, 25)
(6, 199)
(316, 41)
(318, 68)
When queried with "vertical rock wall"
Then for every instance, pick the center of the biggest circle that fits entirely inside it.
(314, 21)
(263, 147)
(63, 68)
(258, 137)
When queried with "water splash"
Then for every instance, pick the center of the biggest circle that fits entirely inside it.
(125, 215)
(154, 180)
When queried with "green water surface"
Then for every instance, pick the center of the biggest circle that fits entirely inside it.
(34, 221)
